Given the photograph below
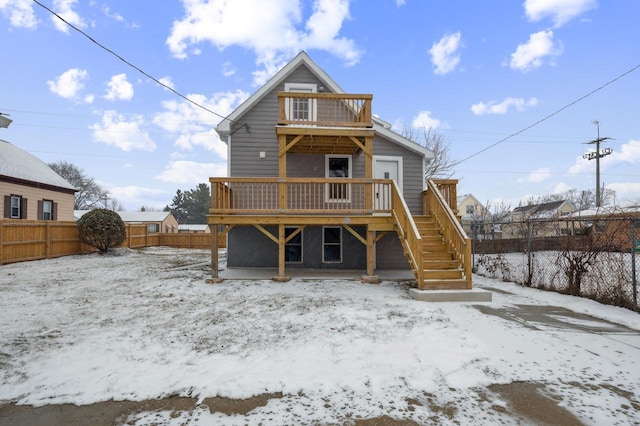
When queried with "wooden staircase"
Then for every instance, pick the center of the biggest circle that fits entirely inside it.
(440, 269)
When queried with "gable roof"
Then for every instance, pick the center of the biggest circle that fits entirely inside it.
(542, 210)
(380, 126)
(19, 165)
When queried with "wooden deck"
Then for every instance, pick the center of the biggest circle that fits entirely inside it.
(437, 250)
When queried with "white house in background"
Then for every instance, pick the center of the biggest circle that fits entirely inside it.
(156, 221)
(30, 189)
(194, 228)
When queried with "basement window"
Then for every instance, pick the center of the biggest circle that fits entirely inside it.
(293, 248)
(332, 244)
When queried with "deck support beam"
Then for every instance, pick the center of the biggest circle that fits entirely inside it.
(281, 259)
(215, 267)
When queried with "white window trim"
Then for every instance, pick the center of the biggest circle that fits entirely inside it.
(341, 244)
(44, 210)
(301, 246)
(326, 175)
(305, 88)
(19, 207)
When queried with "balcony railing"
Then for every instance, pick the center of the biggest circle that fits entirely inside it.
(300, 196)
(324, 109)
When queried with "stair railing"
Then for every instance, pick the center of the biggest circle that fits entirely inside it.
(453, 234)
(407, 231)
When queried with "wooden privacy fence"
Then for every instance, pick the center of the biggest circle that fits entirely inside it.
(24, 240)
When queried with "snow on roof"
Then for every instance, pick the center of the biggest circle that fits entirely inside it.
(19, 164)
(193, 227)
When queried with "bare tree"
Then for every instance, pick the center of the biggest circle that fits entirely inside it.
(90, 195)
(441, 166)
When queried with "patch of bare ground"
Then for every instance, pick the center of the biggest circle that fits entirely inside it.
(532, 403)
(109, 413)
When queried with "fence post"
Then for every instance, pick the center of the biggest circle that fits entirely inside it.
(1, 242)
(633, 263)
(47, 240)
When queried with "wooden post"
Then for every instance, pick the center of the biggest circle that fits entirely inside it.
(281, 246)
(368, 173)
(282, 172)
(370, 278)
(47, 240)
(214, 256)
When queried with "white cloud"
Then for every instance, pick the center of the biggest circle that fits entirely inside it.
(537, 176)
(562, 188)
(400, 2)
(626, 191)
(167, 82)
(560, 11)
(68, 84)
(424, 121)
(228, 69)
(274, 33)
(444, 53)
(118, 88)
(125, 134)
(19, 12)
(533, 53)
(193, 126)
(491, 107)
(628, 153)
(191, 172)
(139, 196)
(64, 8)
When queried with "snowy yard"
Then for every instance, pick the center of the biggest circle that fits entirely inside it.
(142, 325)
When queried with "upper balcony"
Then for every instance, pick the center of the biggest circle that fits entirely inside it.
(324, 109)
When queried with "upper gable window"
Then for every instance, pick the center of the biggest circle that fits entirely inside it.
(301, 109)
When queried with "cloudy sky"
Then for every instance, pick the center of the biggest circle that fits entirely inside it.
(474, 72)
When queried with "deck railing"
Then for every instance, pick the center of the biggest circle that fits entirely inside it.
(324, 109)
(451, 227)
(448, 190)
(271, 196)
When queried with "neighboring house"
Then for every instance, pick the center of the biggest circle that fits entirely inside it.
(316, 181)
(524, 217)
(472, 215)
(30, 189)
(163, 222)
(608, 227)
(194, 228)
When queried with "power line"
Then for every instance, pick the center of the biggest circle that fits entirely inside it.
(141, 71)
(549, 116)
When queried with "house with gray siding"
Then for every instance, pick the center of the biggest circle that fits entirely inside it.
(316, 181)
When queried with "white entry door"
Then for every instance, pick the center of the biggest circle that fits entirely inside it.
(386, 167)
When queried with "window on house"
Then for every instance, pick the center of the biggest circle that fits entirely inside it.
(16, 201)
(338, 167)
(15, 207)
(300, 109)
(469, 209)
(332, 244)
(153, 227)
(293, 248)
(47, 210)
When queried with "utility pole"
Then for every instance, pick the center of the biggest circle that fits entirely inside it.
(597, 155)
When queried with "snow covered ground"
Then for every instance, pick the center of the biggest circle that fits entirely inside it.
(144, 324)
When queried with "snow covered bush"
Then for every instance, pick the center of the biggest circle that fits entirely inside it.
(102, 229)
